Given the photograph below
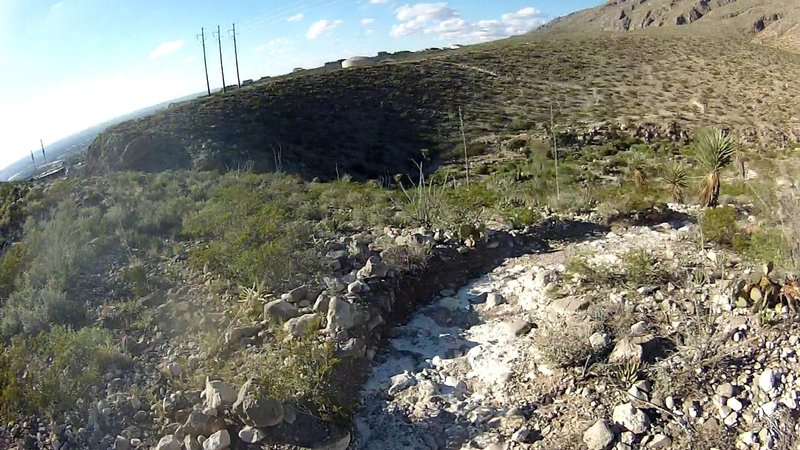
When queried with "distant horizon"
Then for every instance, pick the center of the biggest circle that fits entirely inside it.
(79, 63)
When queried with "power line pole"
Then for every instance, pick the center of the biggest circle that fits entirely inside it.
(44, 155)
(202, 37)
(236, 55)
(221, 65)
(464, 139)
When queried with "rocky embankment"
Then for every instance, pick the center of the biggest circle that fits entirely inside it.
(677, 365)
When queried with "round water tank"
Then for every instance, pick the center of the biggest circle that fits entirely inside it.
(357, 61)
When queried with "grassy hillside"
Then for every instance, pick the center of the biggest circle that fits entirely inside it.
(371, 122)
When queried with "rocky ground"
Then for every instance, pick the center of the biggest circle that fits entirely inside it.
(632, 337)
(531, 356)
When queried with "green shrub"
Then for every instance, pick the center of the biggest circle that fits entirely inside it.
(49, 372)
(642, 268)
(764, 246)
(12, 265)
(522, 217)
(719, 224)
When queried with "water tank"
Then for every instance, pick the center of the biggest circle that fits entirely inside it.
(357, 61)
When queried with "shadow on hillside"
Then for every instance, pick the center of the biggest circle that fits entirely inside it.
(370, 123)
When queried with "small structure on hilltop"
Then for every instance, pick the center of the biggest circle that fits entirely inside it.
(358, 61)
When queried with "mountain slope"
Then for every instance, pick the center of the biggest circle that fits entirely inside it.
(772, 22)
(375, 121)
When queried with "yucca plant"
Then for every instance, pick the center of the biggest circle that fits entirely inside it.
(675, 178)
(714, 150)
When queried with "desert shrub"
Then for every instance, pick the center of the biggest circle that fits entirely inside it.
(407, 257)
(518, 124)
(642, 268)
(764, 246)
(12, 265)
(565, 344)
(522, 217)
(30, 311)
(49, 372)
(719, 224)
(251, 232)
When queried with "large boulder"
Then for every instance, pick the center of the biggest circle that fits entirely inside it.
(218, 394)
(280, 310)
(255, 409)
(168, 443)
(341, 314)
(218, 441)
(299, 326)
(631, 418)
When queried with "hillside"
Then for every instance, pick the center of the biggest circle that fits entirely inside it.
(371, 121)
(773, 22)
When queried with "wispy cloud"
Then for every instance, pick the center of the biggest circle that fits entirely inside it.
(378, 2)
(295, 18)
(166, 48)
(367, 21)
(274, 45)
(322, 27)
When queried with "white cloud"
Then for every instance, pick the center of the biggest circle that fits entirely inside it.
(166, 48)
(274, 45)
(447, 24)
(56, 6)
(322, 27)
(367, 21)
(295, 18)
(417, 18)
(378, 2)
(369, 32)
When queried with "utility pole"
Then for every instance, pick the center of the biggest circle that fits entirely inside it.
(236, 55)
(33, 160)
(202, 37)
(464, 139)
(221, 66)
(555, 149)
(44, 155)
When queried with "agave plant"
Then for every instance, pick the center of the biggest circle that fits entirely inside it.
(676, 180)
(714, 150)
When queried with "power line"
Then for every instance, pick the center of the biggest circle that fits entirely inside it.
(221, 65)
(202, 37)
(236, 54)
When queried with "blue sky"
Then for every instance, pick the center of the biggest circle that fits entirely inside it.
(70, 64)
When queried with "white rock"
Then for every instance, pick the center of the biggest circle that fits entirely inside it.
(659, 441)
(632, 418)
(598, 436)
(789, 402)
(218, 393)
(769, 408)
(493, 299)
(251, 435)
(731, 419)
(768, 380)
(748, 438)
(218, 441)
(401, 382)
(734, 404)
(599, 341)
(168, 443)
